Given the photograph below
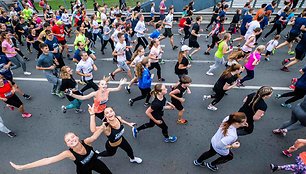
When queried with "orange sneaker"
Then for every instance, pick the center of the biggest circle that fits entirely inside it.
(182, 121)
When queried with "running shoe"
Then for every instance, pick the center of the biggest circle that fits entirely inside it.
(175, 47)
(161, 79)
(211, 167)
(273, 51)
(263, 39)
(146, 105)
(196, 163)
(170, 139)
(26, 96)
(26, 115)
(291, 52)
(287, 153)
(53, 92)
(209, 73)
(277, 96)
(182, 121)
(11, 134)
(128, 89)
(78, 111)
(285, 69)
(134, 132)
(82, 82)
(212, 107)
(27, 73)
(273, 167)
(131, 102)
(136, 160)
(12, 108)
(64, 109)
(292, 87)
(60, 94)
(206, 53)
(182, 41)
(267, 59)
(189, 57)
(161, 61)
(285, 61)
(112, 76)
(205, 97)
(286, 105)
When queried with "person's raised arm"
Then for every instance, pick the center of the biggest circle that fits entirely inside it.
(44, 161)
(122, 82)
(84, 97)
(125, 122)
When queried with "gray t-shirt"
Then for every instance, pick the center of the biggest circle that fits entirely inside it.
(106, 29)
(219, 141)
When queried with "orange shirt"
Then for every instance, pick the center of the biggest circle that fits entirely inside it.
(303, 157)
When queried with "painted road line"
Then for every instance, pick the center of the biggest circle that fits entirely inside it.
(167, 84)
(166, 60)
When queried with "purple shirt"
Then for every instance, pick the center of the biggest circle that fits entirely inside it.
(162, 5)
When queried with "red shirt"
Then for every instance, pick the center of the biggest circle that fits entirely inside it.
(6, 90)
(59, 30)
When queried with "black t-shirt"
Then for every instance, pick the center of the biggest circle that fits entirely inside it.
(181, 93)
(178, 71)
(188, 22)
(158, 107)
(223, 80)
(196, 28)
(248, 110)
(69, 84)
(22, 27)
(137, 8)
(236, 18)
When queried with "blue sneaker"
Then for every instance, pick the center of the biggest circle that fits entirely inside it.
(170, 139)
(135, 132)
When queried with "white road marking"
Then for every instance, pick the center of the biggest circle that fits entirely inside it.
(166, 60)
(167, 84)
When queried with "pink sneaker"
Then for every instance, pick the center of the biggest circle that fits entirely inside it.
(286, 153)
(26, 115)
(12, 108)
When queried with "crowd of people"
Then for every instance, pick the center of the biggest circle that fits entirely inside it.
(136, 52)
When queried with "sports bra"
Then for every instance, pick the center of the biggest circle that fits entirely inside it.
(115, 134)
(81, 160)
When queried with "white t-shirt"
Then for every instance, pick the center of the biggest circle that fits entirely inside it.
(121, 48)
(152, 10)
(169, 20)
(252, 26)
(115, 36)
(272, 44)
(137, 59)
(85, 67)
(65, 18)
(156, 51)
(95, 24)
(219, 141)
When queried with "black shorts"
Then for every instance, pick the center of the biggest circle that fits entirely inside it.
(168, 32)
(14, 101)
(291, 37)
(10, 79)
(268, 53)
(299, 54)
(63, 42)
(194, 44)
(178, 105)
(68, 26)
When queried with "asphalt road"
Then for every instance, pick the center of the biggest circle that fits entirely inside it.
(42, 134)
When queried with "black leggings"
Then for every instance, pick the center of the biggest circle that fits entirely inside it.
(110, 150)
(145, 93)
(95, 165)
(219, 94)
(212, 20)
(249, 76)
(141, 41)
(215, 39)
(276, 26)
(105, 43)
(187, 33)
(297, 94)
(90, 84)
(151, 123)
(157, 66)
(222, 159)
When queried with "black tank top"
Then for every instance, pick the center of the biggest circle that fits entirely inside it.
(116, 134)
(82, 160)
(181, 89)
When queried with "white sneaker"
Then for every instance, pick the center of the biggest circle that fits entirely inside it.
(209, 74)
(212, 108)
(205, 97)
(211, 66)
(136, 160)
(27, 73)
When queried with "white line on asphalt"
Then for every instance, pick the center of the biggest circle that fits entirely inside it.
(166, 60)
(167, 84)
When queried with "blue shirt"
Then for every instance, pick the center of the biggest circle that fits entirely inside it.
(45, 60)
(155, 34)
(302, 44)
(222, 14)
(145, 81)
(264, 22)
(301, 83)
(53, 45)
(3, 71)
(247, 19)
(296, 28)
(77, 55)
(283, 16)
(269, 7)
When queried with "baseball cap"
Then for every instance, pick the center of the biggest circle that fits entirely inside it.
(185, 47)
